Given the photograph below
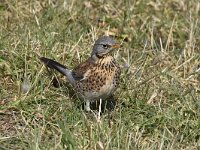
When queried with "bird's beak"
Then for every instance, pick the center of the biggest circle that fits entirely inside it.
(117, 46)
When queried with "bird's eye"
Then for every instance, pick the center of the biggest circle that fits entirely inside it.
(105, 46)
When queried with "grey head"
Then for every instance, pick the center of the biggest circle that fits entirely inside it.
(103, 46)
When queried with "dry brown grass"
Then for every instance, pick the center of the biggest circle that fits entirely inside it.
(158, 101)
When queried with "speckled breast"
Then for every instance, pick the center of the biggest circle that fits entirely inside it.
(101, 80)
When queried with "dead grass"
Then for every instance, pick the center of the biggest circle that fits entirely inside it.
(157, 103)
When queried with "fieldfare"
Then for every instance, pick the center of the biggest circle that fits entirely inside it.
(96, 78)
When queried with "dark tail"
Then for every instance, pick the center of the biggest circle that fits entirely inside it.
(59, 67)
(54, 65)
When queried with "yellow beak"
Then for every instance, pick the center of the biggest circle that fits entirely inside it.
(116, 46)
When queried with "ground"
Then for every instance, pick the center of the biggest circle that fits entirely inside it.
(157, 103)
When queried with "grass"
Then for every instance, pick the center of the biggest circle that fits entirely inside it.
(158, 102)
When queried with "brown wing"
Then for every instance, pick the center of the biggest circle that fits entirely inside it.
(79, 71)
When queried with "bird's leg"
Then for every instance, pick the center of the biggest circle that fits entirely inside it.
(87, 106)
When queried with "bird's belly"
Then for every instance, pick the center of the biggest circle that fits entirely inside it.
(96, 95)
(99, 84)
(103, 92)
(108, 88)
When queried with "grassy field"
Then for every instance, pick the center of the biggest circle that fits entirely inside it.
(158, 102)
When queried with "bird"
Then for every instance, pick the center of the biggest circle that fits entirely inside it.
(97, 77)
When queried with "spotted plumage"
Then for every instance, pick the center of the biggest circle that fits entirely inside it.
(97, 77)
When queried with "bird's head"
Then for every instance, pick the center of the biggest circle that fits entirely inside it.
(103, 46)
